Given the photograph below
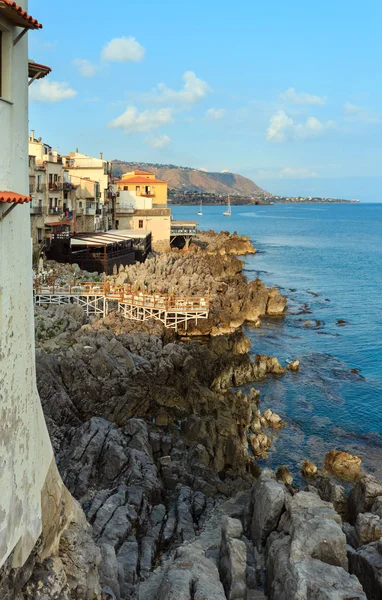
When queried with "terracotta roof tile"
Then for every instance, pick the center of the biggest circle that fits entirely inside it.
(37, 69)
(29, 21)
(12, 197)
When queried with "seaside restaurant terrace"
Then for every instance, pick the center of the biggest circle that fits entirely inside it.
(182, 233)
(93, 251)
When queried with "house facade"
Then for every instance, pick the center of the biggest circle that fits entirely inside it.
(141, 204)
(26, 456)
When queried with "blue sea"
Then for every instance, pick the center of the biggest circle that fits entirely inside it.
(327, 260)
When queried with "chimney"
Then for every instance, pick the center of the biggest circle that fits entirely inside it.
(32, 135)
(77, 150)
(101, 155)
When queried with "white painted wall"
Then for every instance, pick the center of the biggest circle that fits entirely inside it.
(25, 449)
(128, 199)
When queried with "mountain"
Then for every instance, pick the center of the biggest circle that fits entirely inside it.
(190, 180)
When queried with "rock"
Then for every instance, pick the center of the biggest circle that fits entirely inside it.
(268, 497)
(343, 464)
(306, 558)
(363, 495)
(315, 528)
(368, 528)
(284, 475)
(294, 365)
(232, 560)
(335, 494)
(308, 469)
(376, 509)
(366, 564)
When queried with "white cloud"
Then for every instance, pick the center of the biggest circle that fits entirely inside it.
(159, 141)
(194, 89)
(133, 121)
(290, 95)
(47, 90)
(282, 128)
(298, 173)
(363, 114)
(123, 49)
(84, 67)
(214, 114)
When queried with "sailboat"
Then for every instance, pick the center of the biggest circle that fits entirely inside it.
(200, 209)
(227, 213)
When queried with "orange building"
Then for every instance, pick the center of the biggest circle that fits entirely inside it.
(146, 185)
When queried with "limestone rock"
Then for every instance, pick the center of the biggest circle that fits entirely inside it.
(268, 498)
(368, 528)
(232, 560)
(366, 564)
(294, 365)
(343, 464)
(363, 495)
(308, 469)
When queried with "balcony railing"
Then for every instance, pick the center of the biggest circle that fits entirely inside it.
(124, 210)
(55, 187)
(56, 210)
(41, 187)
(32, 187)
(36, 210)
(148, 195)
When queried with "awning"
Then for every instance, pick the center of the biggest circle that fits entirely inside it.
(37, 71)
(104, 239)
(13, 198)
(17, 15)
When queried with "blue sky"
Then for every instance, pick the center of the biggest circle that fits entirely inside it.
(286, 93)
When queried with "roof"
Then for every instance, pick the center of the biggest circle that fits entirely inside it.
(14, 198)
(142, 173)
(18, 15)
(101, 239)
(178, 223)
(134, 179)
(58, 223)
(132, 233)
(36, 70)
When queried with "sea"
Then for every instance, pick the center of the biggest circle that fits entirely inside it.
(327, 261)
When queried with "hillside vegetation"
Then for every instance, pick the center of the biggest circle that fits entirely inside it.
(189, 180)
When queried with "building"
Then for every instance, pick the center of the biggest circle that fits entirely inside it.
(26, 456)
(82, 167)
(53, 203)
(141, 204)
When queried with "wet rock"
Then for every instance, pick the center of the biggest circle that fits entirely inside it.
(343, 464)
(268, 497)
(308, 469)
(294, 365)
(284, 475)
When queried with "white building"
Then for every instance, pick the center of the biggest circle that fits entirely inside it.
(82, 167)
(26, 456)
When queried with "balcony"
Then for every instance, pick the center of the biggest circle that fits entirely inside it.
(56, 210)
(55, 187)
(36, 210)
(124, 210)
(32, 187)
(148, 195)
(41, 187)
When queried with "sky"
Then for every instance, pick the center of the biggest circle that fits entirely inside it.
(288, 94)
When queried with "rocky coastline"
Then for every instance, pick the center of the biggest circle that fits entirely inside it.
(159, 447)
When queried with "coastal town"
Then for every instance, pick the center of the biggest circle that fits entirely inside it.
(133, 441)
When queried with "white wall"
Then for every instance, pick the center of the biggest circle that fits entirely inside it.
(130, 199)
(25, 449)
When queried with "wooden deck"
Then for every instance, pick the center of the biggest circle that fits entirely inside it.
(131, 302)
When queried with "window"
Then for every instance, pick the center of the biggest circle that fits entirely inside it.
(126, 188)
(5, 64)
(39, 235)
(137, 188)
(50, 202)
(55, 178)
(140, 224)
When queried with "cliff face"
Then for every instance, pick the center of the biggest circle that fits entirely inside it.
(186, 179)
